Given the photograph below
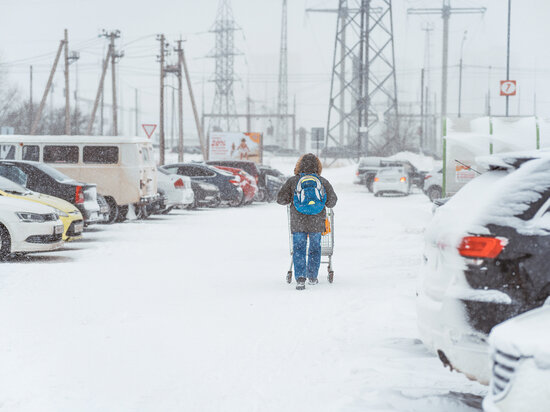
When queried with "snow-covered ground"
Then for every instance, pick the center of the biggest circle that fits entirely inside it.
(191, 312)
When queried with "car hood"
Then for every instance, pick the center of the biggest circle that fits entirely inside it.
(19, 205)
(53, 201)
(525, 335)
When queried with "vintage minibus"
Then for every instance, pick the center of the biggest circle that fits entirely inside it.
(123, 168)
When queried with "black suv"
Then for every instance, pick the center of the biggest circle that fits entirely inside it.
(42, 178)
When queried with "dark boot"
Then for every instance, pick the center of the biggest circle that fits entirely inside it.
(300, 283)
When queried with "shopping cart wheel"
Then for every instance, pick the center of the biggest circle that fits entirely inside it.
(289, 276)
(330, 276)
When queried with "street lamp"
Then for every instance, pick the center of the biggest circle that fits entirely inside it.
(460, 74)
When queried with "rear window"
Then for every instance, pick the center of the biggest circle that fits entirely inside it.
(100, 154)
(31, 152)
(61, 154)
(7, 152)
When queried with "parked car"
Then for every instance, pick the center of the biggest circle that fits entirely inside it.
(122, 168)
(485, 259)
(27, 227)
(176, 191)
(433, 184)
(230, 190)
(70, 216)
(42, 178)
(247, 182)
(393, 180)
(205, 195)
(249, 167)
(369, 166)
(520, 355)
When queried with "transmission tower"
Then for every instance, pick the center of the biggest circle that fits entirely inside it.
(364, 104)
(224, 77)
(282, 100)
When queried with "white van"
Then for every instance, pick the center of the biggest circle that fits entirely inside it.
(123, 168)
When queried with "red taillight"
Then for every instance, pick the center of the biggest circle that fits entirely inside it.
(357, 173)
(403, 179)
(427, 177)
(236, 180)
(79, 195)
(482, 247)
(376, 179)
(178, 184)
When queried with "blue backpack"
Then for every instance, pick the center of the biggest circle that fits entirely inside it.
(310, 196)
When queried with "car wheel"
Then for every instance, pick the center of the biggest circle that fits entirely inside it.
(434, 193)
(216, 202)
(370, 184)
(113, 210)
(5, 243)
(122, 213)
(261, 195)
(238, 201)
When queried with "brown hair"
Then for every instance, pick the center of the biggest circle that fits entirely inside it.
(308, 163)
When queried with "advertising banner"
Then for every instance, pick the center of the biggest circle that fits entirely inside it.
(235, 146)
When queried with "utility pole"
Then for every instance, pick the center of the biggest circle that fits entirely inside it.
(200, 128)
(163, 47)
(99, 93)
(30, 101)
(179, 50)
(112, 36)
(508, 52)
(446, 11)
(282, 98)
(137, 109)
(46, 91)
(67, 93)
(422, 131)
(460, 75)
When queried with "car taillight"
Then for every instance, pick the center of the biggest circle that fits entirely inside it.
(236, 180)
(178, 184)
(427, 177)
(357, 173)
(403, 179)
(482, 247)
(79, 195)
(376, 179)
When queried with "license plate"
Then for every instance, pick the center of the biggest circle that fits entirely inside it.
(79, 227)
(58, 229)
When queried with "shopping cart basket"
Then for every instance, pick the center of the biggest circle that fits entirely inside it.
(327, 247)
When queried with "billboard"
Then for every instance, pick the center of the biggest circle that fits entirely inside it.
(235, 146)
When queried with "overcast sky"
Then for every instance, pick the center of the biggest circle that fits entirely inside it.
(31, 30)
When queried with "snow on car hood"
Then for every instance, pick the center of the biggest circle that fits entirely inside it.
(498, 197)
(19, 205)
(525, 335)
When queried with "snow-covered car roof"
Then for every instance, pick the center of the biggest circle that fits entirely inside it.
(505, 197)
(525, 335)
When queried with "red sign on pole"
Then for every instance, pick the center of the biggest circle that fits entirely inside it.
(149, 129)
(508, 87)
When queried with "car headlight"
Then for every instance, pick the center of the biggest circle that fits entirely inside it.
(30, 217)
(61, 213)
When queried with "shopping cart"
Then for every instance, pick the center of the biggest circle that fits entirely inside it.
(327, 247)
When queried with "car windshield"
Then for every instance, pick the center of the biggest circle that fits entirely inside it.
(221, 171)
(11, 187)
(53, 173)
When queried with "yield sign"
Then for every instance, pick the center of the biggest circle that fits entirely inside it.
(149, 129)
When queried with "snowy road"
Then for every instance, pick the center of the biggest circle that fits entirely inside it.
(190, 312)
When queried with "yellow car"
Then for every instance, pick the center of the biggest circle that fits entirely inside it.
(73, 224)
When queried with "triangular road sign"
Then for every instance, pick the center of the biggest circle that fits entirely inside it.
(149, 129)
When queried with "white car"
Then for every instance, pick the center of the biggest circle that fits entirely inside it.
(391, 180)
(176, 189)
(520, 349)
(28, 227)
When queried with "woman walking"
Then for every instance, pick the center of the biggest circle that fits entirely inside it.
(309, 195)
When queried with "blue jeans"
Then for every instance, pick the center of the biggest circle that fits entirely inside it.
(311, 268)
